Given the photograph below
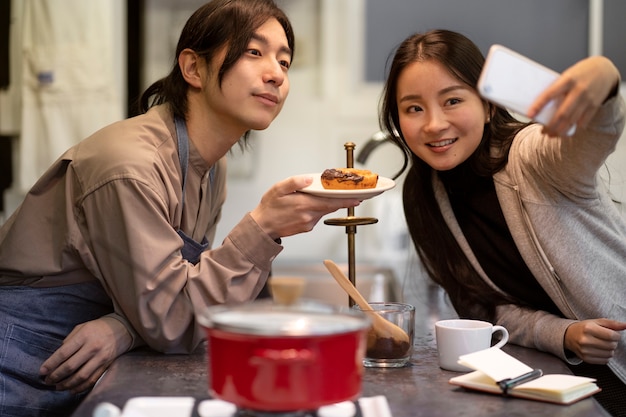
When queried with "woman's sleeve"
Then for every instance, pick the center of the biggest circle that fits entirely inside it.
(536, 329)
(570, 164)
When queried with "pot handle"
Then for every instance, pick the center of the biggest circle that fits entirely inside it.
(284, 355)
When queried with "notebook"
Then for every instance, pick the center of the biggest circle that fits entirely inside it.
(493, 365)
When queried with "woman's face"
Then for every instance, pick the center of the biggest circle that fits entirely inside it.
(441, 118)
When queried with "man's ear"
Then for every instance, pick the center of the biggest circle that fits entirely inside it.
(189, 64)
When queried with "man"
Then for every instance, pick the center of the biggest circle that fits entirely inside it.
(112, 248)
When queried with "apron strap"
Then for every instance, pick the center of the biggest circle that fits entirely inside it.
(191, 249)
(183, 150)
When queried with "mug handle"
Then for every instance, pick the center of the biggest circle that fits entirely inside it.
(505, 335)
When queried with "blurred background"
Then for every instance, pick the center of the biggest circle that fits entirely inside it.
(70, 67)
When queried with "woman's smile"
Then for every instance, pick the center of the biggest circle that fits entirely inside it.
(439, 113)
(442, 145)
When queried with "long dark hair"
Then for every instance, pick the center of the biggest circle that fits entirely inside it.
(442, 257)
(217, 24)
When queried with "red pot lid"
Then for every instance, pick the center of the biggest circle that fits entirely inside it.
(305, 318)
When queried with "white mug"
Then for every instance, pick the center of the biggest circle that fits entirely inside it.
(461, 336)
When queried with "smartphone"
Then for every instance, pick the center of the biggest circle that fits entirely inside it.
(514, 81)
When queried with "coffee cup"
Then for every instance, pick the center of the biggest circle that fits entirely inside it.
(462, 336)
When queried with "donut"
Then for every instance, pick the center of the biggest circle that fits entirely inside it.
(348, 179)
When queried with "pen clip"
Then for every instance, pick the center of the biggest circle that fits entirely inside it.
(508, 383)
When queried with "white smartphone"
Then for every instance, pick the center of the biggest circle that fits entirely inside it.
(514, 81)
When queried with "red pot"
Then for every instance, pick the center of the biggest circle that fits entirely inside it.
(266, 357)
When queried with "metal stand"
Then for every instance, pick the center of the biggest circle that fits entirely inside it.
(351, 222)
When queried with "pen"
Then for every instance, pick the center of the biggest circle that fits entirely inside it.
(507, 384)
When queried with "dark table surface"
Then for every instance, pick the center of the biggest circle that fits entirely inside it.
(420, 389)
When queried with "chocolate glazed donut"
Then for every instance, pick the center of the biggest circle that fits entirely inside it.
(348, 179)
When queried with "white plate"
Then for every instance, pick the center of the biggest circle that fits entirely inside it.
(317, 189)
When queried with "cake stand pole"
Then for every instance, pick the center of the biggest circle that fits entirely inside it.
(351, 222)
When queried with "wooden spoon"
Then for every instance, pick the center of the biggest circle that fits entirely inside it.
(381, 327)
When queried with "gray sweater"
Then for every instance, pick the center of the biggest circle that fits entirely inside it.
(567, 229)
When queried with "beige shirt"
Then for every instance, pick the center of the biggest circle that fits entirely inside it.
(109, 210)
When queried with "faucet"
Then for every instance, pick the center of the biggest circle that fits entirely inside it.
(372, 143)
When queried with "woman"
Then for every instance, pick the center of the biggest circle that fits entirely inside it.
(111, 249)
(508, 216)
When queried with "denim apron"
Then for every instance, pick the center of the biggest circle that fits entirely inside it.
(34, 322)
(191, 249)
